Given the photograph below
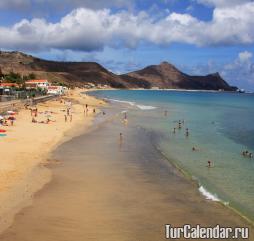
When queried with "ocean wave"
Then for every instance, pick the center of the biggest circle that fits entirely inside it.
(208, 195)
(123, 101)
(141, 107)
(146, 107)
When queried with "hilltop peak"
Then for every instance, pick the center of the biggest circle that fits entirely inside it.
(164, 75)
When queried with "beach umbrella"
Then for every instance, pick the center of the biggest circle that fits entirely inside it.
(11, 112)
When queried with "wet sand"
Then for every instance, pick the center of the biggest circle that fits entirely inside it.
(106, 190)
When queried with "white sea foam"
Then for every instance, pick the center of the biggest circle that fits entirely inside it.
(141, 107)
(123, 101)
(146, 107)
(208, 195)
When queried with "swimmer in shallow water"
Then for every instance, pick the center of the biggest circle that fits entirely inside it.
(209, 163)
(187, 133)
(179, 125)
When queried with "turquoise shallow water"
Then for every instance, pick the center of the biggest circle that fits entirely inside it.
(221, 127)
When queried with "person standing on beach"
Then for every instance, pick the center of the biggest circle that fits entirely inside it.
(121, 137)
(84, 110)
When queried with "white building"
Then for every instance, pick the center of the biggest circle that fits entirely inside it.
(34, 84)
(56, 90)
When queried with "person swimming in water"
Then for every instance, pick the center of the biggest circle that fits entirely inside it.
(209, 163)
(187, 133)
(179, 125)
(245, 153)
(174, 131)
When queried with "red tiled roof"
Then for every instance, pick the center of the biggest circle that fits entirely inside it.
(8, 84)
(36, 81)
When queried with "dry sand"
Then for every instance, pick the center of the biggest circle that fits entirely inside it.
(26, 148)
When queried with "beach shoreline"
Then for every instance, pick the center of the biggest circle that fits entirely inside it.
(188, 176)
(95, 188)
(45, 170)
(26, 149)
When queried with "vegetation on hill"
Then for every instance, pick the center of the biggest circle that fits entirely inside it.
(16, 78)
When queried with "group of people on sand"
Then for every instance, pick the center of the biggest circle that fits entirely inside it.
(34, 113)
(8, 119)
(86, 110)
(4, 122)
(247, 154)
(68, 114)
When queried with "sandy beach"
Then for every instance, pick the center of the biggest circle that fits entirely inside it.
(26, 147)
(116, 192)
(66, 183)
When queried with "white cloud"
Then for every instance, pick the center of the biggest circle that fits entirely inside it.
(239, 72)
(87, 29)
(245, 56)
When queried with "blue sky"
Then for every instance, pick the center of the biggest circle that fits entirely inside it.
(198, 36)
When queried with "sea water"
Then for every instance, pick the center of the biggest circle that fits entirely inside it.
(220, 127)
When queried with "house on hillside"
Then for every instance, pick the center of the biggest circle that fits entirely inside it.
(56, 90)
(35, 84)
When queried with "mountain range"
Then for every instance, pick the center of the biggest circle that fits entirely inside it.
(164, 75)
